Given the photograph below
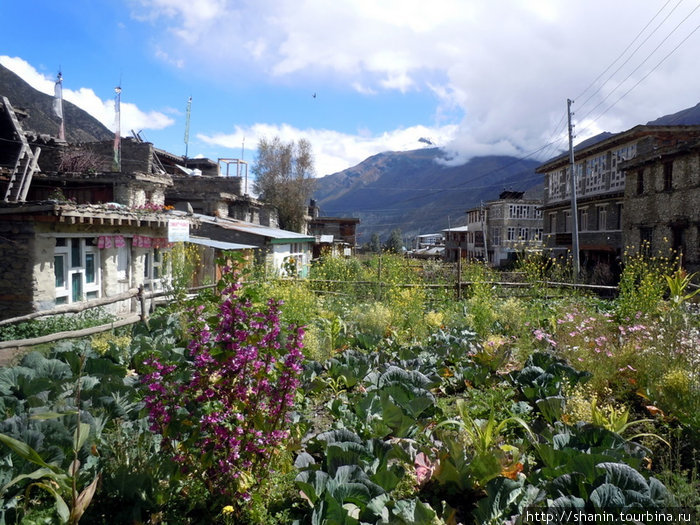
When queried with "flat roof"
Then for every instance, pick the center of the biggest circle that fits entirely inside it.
(219, 245)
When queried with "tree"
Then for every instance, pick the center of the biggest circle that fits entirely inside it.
(375, 245)
(284, 178)
(395, 242)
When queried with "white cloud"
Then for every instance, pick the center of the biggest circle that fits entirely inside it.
(507, 66)
(132, 117)
(334, 151)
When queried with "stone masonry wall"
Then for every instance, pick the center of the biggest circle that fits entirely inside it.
(16, 254)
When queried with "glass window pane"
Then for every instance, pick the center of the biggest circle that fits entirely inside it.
(91, 295)
(89, 267)
(62, 300)
(75, 259)
(59, 270)
(77, 287)
(61, 241)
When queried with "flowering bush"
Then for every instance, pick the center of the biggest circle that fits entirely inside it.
(224, 412)
(153, 207)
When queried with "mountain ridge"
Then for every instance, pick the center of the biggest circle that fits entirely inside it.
(80, 126)
(417, 192)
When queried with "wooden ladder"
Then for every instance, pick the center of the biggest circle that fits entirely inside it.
(27, 161)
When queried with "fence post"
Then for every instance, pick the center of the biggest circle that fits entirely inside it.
(379, 278)
(142, 302)
(459, 274)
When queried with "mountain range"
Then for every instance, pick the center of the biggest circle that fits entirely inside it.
(418, 192)
(79, 124)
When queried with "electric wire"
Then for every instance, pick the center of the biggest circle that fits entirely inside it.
(644, 62)
(624, 51)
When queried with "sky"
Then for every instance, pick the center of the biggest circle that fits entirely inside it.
(358, 77)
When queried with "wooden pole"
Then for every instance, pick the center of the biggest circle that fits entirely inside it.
(142, 301)
(459, 274)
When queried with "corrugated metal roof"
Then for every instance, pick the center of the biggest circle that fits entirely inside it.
(220, 245)
(254, 229)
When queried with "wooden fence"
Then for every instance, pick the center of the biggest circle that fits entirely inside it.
(142, 296)
(138, 293)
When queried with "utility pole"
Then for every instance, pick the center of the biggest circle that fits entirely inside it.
(574, 207)
(484, 230)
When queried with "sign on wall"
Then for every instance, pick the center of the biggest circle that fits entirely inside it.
(178, 230)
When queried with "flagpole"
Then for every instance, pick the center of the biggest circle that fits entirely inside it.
(187, 126)
(117, 164)
(58, 105)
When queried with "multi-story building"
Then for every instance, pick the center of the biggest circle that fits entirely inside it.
(662, 200)
(455, 243)
(600, 188)
(475, 233)
(513, 224)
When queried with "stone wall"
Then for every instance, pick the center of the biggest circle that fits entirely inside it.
(27, 280)
(16, 257)
(135, 156)
(670, 216)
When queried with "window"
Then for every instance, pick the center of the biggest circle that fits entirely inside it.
(595, 180)
(602, 218)
(567, 228)
(617, 176)
(153, 270)
(555, 178)
(537, 234)
(523, 233)
(583, 226)
(552, 223)
(76, 270)
(640, 182)
(618, 216)
(678, 238)
(512, 233)
(668, 176)
(496, 237)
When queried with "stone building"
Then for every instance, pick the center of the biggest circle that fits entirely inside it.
(72, 228)
(456, 244)
(502, 228)
(601, 192)
(662, 200)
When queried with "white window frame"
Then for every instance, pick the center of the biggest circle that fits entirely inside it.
(584, 219)
(602, 218)
(153, 270)
(617, 176)
(87, 246)
(595, 174)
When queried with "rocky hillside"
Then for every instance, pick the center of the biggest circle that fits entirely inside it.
(415, 192)
(79, 125)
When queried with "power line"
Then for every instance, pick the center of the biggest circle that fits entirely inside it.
(625, 50)
(644, 62)
(649, 73)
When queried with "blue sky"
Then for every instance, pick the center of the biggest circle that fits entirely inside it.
(476, 77)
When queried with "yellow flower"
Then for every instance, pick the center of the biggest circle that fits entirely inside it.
(227, 510)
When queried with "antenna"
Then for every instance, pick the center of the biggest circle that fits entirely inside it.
(187, 125)
(246, 168)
